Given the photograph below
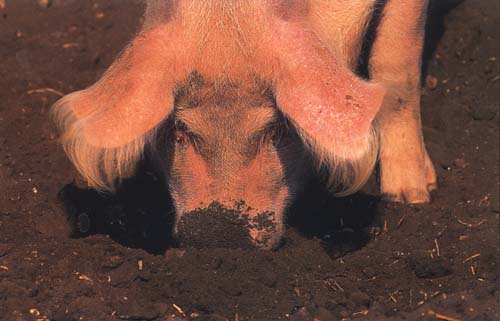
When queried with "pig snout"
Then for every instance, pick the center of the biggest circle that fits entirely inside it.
(218, 226)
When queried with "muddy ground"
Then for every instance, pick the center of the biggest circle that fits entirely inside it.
(357, 258)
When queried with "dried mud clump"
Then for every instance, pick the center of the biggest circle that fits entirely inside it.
(214, 227)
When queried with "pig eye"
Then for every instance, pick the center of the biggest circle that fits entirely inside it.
(183, 137)
(180, 133)
(267, 136)
(180, 138)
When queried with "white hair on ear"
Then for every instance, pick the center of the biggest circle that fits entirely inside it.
(102, 167)
(346, 174)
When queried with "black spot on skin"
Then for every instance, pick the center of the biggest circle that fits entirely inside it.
(400, 104)
(351, 102)
(189, 89)
(195, 81)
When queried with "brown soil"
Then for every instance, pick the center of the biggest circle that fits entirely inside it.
(355, 258)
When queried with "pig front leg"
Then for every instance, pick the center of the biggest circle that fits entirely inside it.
(406, 171)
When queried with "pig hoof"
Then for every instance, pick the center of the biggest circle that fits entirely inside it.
(411, 196)
(407, 187)
(410, 183)
(432, 186)
(412, 189)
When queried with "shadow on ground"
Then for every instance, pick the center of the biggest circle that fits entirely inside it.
(141, 215)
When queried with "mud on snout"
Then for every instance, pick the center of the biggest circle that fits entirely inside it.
(217, 226)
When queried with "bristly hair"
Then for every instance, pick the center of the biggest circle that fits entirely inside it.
(103, 168)
(345, 174)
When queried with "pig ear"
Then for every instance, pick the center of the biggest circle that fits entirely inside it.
(332, 109)
(106, 126)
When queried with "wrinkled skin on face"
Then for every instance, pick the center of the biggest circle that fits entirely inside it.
(232, 146)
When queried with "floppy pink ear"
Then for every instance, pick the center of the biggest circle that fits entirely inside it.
(332, 109)
(105, 127)
(327, 102)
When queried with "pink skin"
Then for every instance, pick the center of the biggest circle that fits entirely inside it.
(119, 98)
(317, 92)
(255, 61)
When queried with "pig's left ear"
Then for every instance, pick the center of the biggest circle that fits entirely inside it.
(332, 109)
(106, 126)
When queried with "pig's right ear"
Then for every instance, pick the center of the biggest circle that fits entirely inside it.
(105, 127)
(332, 109)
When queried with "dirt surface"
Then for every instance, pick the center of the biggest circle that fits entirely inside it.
(356, 258)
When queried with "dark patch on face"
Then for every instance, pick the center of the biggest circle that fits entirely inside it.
(186, 94)
(351, 102)
(159, 11)
(196, 91)
(219, 227)
(401, 104)
(290, 9)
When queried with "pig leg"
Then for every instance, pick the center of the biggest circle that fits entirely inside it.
(406, 171)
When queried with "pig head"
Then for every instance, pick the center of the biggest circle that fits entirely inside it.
(249, 98)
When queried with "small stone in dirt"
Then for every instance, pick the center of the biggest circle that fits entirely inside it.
(360, 299)
(370, 272)
(431, 82)
(34, 312)
(44, 3)
(123, 276)
(112, 262)
(428, 268)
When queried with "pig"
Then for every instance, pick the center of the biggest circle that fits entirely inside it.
(239, 100)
